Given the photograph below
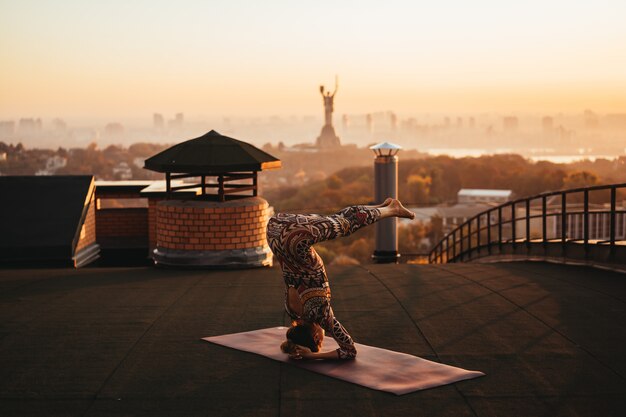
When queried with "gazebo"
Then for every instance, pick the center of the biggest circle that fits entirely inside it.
(197, 227)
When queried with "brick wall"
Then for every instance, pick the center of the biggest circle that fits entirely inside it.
(128, 222)
(197, 225)
(121, 216)
(152, 222)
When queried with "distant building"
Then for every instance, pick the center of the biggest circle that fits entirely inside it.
(177, 122)
(369, 123)
(114, 130)
(7, 128)
(547, 124)
(30, 125)
(453, 216)
(510, 123)
(158, 121)
(123, 171)
(591, 120)
(482, 196)
(345, 121)
(393, 121)
(616, 120)
(59, 125)
(53, 164)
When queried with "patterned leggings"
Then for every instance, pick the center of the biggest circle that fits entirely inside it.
(291, 238)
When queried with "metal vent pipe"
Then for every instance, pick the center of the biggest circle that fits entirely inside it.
(386, 185)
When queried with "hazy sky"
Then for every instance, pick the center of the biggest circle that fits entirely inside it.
(129, 58)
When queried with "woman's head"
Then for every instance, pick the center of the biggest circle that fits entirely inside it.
(305, 334)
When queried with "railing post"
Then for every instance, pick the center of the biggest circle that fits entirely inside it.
(461, 243)
(500, 229)
(454, 244)
(586, 223)
(478, 233)
(220, 190)
(544, 216)
(440, 252)
(613, 225)
(563, 218)
(528, 225)
(469, 238)
(513, 225)
(544, 224)
(489, 232)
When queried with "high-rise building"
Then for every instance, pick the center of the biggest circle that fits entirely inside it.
(393, 120)
(157, 121)
(510, 123)
(59, 125)
(547, 123)
(30, 125)
(591, 119)
(177, 122)
(7, 128)
(114, 130)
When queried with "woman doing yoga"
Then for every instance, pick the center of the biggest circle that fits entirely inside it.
(307, 294)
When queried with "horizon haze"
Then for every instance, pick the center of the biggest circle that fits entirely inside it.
(123, 61)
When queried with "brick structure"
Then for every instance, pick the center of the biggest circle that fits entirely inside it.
(122, 225)
(210, 233)
(87, 235)
(152, 222)
(209, 214)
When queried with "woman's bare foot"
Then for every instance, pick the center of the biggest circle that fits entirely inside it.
(399, 210)
(383, 204)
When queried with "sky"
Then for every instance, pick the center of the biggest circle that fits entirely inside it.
(125, 59)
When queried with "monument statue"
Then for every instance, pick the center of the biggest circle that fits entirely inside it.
(328, 104)
(328, 138)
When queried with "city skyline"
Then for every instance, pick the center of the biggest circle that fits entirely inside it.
(124, 61)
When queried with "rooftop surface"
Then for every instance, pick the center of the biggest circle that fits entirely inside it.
(126, 341)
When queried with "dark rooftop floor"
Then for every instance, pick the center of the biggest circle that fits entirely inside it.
(126, 341)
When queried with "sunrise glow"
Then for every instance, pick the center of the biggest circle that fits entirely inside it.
(244, 58)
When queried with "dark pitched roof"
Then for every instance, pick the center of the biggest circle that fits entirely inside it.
(211, 153)
(41, 216)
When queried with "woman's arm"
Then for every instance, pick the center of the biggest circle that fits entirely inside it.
(334, 329)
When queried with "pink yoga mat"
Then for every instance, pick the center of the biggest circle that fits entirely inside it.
(376, 368)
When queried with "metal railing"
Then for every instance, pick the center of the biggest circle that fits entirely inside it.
(567, 223)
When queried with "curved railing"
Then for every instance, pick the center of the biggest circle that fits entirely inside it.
(587, 224)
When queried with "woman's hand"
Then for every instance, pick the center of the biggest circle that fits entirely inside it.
(301, 352)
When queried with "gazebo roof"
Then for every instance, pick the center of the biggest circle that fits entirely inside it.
(212, 153)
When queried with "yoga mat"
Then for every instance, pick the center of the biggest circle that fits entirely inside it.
(376, 368)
